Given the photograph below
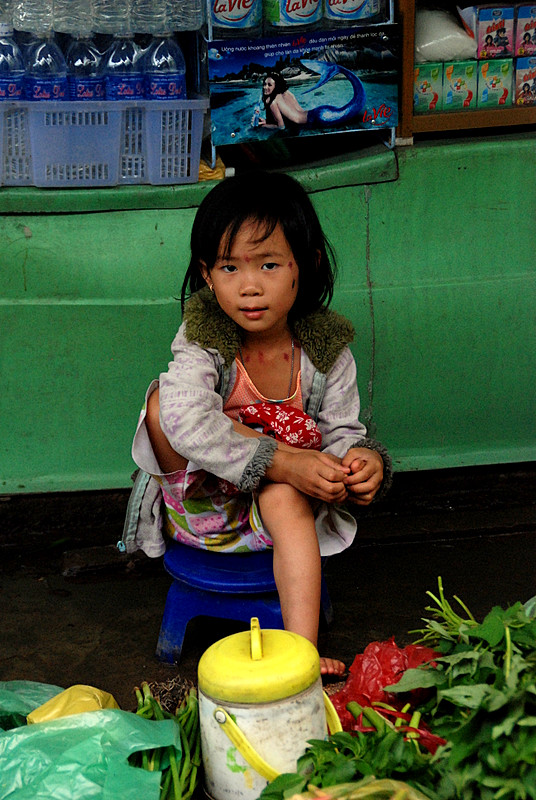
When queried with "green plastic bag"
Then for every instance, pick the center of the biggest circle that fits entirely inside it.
(83, 756)
(19, 698)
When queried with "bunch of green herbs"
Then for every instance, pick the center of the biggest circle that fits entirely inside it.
(482, 699)
(346, 758)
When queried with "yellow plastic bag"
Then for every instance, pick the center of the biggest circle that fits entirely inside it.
(75, 700)
(208, 173)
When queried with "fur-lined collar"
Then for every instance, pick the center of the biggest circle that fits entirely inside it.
(322, 335)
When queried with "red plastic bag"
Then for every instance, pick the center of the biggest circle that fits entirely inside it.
(381, 664)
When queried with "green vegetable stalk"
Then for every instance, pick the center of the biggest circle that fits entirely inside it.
(180, 775)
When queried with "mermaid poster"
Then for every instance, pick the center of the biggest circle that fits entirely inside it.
(304, 84)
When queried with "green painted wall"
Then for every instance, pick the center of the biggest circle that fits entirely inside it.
(437, 272)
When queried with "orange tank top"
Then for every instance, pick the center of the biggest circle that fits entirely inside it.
(245, 393)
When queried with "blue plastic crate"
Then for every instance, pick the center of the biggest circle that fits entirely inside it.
(173, 137)
(16, 160)
(90, 144)
(74, 144)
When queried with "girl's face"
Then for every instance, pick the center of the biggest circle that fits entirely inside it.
(268, 86)
(257, 283)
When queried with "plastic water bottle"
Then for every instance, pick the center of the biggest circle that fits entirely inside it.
(256, 116)
(256, 113)
(286, 16)
(236, 18)
(34, 16)
(347, 12)
(11, 65)
(6, 11)
(164, 70)
(46, 71)
(185, 15)
(112, 16)
(123, 70)
(84, 77)
(149, 16)
(73, 16)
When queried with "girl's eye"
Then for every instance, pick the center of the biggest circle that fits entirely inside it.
(228, 268)
(270, 265)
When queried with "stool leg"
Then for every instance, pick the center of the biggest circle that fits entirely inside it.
(173, 627)
(184, 602)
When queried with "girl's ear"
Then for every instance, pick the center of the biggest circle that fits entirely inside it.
(206, 275)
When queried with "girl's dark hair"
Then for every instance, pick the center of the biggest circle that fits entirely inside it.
(267, 199)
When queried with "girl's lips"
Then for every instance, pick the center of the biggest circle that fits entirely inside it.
(253, 313)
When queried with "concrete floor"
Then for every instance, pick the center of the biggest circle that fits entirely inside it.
(73, 611)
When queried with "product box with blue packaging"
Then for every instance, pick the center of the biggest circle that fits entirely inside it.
(525, 86)
(303, 84)
(495, 32)
(525, 31)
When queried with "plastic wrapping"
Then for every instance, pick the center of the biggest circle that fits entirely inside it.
(19, 698)
(440, 37)
(83, 756)
(74, 700)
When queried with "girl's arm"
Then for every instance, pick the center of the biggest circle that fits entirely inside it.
(318, 475)
(342, 431)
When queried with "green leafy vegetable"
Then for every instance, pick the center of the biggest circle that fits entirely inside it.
(483, 698)
(179, 775)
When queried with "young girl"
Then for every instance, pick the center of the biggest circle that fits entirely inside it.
(258, 345)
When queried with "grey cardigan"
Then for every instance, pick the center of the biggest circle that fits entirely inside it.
(200, 378)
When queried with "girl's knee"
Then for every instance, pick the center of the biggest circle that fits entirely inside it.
(282, 499)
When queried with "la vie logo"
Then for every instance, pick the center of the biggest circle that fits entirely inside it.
(381, 114)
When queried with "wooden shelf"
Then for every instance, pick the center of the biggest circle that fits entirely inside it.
(458, 120)
(410, 123)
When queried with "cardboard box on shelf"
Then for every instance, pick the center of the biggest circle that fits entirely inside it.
(525, 42)
(495, 83)
(495, 32)
(525, 82)
(460, 83)
(428, 87)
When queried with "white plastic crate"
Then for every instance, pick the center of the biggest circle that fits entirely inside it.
(89, 144)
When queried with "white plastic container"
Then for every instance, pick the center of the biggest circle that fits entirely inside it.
(260, 701)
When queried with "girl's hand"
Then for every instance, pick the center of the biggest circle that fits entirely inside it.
(315, 474)
(366, 474)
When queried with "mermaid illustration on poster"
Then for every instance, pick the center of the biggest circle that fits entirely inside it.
(302, 86)
(282, 109)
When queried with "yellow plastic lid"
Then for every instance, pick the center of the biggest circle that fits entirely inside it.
(258, 666)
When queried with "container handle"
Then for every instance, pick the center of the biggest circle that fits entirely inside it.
(332, 718)
(246, 750)
(255, 639)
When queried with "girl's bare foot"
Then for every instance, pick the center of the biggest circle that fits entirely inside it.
(332, 666)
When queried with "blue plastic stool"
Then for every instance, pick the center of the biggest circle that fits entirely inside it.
(234, 586)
